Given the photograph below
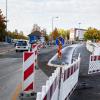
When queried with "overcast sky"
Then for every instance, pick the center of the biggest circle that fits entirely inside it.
(22, 14)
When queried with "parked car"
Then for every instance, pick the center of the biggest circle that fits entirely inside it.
(22, 45)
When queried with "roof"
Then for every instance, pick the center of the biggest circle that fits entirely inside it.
(36, 33)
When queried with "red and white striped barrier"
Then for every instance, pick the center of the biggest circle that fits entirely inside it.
(34, 49)
(94, 64)
(28, 71)
(69, 80)
(38, 47)
(62, 82)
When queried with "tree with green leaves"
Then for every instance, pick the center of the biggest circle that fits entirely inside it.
(16, 35)
(2, 26)
(92, 34)
(64, 33)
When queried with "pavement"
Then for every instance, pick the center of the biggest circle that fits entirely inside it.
(91, 90)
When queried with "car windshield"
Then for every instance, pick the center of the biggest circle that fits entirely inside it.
(21, 43)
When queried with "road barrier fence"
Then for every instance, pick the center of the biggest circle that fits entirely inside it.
(62, 82)
(94, 64)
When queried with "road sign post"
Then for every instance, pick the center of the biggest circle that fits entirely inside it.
(59, 43)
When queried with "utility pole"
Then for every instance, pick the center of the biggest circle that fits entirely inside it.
(6, 13)
(53, 27)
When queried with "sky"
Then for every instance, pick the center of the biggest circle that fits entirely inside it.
(23, 14)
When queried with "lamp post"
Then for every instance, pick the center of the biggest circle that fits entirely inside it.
(52, 26)
(79, 24)
(79, 31)
(6, 13)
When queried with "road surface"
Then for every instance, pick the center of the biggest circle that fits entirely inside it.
(11, 72)
(92, 89)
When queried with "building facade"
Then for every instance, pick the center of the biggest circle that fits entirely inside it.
(77, 34)
(37, 34)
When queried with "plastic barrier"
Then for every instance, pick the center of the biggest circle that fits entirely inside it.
(90, 47)
(51, 90)
(29, 64)
(34, 49)
(93, 47)
(94, 64)
(28, 71)
(69, 79)
(62, 82)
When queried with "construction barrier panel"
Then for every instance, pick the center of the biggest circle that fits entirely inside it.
(62, 82)
(34, 49)
(29, 65)
(28, 71)
(69, 79)
(94, 64)
(51, 90)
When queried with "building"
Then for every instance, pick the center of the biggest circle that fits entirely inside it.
(77, 34)
(37, 34)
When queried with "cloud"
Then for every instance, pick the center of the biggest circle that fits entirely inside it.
(22, 14)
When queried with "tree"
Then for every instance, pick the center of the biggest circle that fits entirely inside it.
(64, 33)
(55, 34)
(67, 34)
(92, 34)
(46, 38)
(16, 35)
(2, 27)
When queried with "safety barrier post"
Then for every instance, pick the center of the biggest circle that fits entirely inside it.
(35, 49)
(28, 77)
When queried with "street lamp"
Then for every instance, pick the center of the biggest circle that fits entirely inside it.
(6, 13)
(79, 24)
(52, 26)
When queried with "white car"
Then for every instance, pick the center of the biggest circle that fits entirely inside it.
(22, 45)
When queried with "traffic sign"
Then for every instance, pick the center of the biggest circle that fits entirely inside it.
(61, 40)
(32, 39)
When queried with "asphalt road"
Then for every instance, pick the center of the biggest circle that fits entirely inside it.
(10, 74)
(92, 87)
(11, 71)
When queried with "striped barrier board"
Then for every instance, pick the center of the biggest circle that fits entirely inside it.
(38, 47)
(28, 71)
(94, 64)
(34, 49)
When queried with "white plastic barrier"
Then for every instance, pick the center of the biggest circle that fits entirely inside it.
(90, 47)
(62, 82)
(94, 64)
(69, 79)
(51, 90)
(93, 47)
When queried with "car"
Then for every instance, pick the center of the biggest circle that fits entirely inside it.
(21, 45)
